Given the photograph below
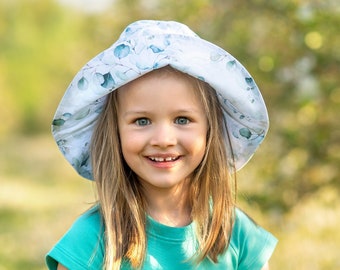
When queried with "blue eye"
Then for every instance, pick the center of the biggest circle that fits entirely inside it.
(182, 121)
(142, 122)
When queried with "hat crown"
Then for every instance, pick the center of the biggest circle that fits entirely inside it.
(149, 28)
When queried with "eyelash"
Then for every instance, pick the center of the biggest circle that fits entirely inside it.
(138, 121)
(187, 121)
(148, 122)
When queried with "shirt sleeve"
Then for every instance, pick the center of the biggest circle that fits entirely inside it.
(255, 245)
(82, 245)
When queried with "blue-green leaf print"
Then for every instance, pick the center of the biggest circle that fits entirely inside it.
(99, 78)
(156, 49)
(201, 78)
(231, 64)
(167, 41)
(61, 143)
(83, 160)
(82, 84)
(127, 30)
(58, 122)
(250, 82)
(245, 132)
(215, 57)
(108, 81)
(82, 114)
(62, 146)
(99, 110)
(121, 75)
(67, 115)
(121, 51)
(155, 65)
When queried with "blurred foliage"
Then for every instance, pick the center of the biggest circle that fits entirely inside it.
(290, 47)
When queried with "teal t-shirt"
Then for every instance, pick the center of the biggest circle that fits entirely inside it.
(168, 248)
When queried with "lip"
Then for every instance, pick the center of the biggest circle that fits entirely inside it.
(163, 160)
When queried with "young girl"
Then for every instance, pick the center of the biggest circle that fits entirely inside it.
(161, 121)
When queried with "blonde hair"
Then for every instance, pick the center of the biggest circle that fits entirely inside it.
(211, 195)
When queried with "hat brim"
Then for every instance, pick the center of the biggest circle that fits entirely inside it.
(143, 47)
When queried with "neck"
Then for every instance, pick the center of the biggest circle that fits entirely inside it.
(169, 206)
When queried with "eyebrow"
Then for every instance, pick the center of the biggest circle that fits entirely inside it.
(128, 113)
(143, 112)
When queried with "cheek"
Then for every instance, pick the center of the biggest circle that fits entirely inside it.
(202, 147)
(196, 145)
(202, 144)
(124, 140)
(130, 143)
(128, 151)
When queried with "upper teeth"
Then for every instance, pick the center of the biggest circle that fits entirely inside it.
(160, 159)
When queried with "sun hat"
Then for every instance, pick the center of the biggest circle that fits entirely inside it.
(145, 46)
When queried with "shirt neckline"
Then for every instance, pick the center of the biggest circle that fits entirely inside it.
(168, 232)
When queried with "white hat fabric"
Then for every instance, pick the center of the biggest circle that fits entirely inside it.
(145, 46)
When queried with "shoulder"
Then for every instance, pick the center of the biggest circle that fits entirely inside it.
(87, 228)
(251, 243)
(82, 246)
(90, 221)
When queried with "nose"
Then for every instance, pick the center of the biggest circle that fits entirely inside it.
(163, 135)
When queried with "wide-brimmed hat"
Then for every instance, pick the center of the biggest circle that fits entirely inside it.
(145, 46)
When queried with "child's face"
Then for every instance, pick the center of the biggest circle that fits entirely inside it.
(162, 128)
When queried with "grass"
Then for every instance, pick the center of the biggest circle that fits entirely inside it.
(41, 195)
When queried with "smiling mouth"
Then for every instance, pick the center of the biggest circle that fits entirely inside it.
(161, 159)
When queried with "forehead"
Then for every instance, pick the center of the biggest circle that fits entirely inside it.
(164, 83)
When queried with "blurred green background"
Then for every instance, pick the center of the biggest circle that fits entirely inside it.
(292, 48)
